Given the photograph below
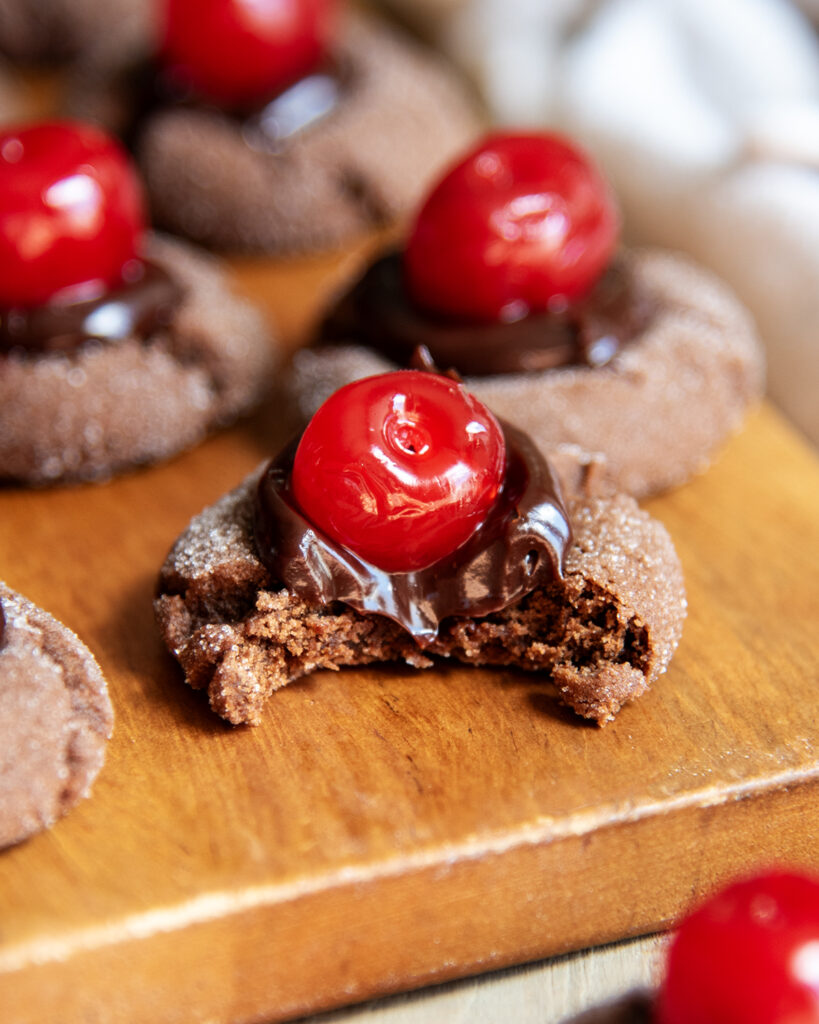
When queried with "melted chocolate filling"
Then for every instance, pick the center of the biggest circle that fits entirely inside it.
(136, 309)
(379, 313)
(2, 626)
(520, 546)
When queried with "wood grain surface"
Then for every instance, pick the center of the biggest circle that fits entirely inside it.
(386, 828)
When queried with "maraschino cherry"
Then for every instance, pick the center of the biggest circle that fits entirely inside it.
(523, 224)
(71, 214)
(400, 468)
(749, 955)
(242, 52)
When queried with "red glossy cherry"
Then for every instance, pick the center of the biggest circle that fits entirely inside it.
(524, 223)
(400, 468)
(240, 52)
(749, 955)
(71, 213)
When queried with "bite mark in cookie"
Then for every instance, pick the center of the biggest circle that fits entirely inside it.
(603, 633)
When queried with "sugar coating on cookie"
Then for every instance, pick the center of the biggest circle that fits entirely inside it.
(603, 633)
(55, 719)
(657, 412)
(109, 406)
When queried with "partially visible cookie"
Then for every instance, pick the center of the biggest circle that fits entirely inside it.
(108, 406)
(602, 634)
(56, 30)
(657, 412)
(55, 719)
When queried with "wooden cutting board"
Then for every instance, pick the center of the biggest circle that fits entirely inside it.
(387, 828)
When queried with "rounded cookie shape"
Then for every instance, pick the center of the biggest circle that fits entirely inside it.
(56, 30)
(657, 411)
(401, 116)
(55, 718)
(604, 632)
(108, 406)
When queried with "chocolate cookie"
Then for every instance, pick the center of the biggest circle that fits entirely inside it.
(398, 117)
(57, 30)
(603, 633)
(657, 411)
(55, 719)
(106, 406)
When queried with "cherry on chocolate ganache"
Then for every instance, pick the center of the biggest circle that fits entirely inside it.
(136, 309)
(379, 313)
(520, 546)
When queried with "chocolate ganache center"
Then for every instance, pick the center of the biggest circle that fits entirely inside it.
(519, 547)
(379, 313)
(137, 308)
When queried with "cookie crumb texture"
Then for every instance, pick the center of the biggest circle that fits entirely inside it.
(657, 412)
(401, 117)
(603, 634)
(55, 719)
(106, 407)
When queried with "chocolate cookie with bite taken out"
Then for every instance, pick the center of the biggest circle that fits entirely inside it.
(409, 524)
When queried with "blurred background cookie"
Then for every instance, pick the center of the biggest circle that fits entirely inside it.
(117, 347)
(296, 136)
